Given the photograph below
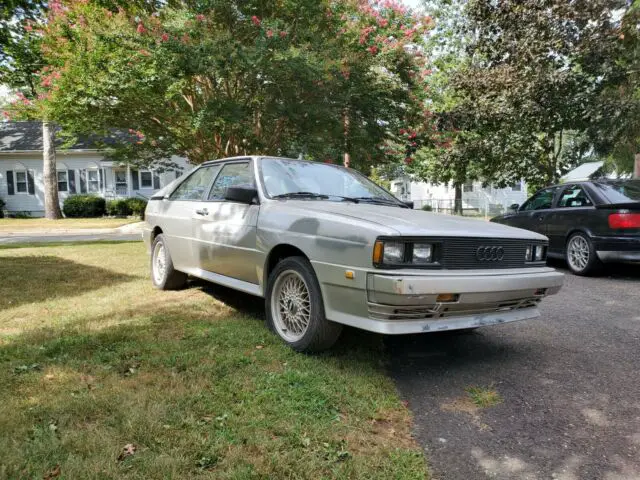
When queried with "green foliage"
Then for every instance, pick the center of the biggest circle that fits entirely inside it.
(2, 205)
(83, 206)
(118, 208)
(427, 208)
(137, 206)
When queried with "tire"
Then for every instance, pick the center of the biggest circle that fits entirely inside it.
(163, 275)
(294, 277)
(581, 256)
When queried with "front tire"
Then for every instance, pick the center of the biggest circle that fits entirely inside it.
(581, 255)
(294, 307)
(163, 275)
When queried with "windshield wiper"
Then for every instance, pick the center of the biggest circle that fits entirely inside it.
(381, 201)
(301, 195)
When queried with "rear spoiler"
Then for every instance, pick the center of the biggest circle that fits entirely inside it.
(619, 206)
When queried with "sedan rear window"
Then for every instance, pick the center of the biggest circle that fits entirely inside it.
(621, 192)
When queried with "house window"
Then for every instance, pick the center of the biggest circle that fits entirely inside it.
(93, 181)
(21, 182)
(516, 187)
(63, 181)
(146, 179)
(467, 187)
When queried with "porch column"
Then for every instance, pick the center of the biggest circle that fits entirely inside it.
(128, 180)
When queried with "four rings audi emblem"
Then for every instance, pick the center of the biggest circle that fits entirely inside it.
(489, 254)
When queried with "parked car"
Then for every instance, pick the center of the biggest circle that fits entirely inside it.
(588, 223)
(326, 247)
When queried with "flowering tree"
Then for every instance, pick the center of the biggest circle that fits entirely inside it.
(318, 77)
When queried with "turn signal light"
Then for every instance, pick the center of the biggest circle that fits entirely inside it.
(447, 298)
(378, 252)
(624, 220)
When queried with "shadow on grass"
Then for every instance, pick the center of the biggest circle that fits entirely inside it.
(38, 278)
(71, 244)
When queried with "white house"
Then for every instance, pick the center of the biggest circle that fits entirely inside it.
(476, 198)
(81, 169)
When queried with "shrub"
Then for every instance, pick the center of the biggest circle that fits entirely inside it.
(137, 207)
(83, 206)
(2, 205)
(427, 208)
(118, 208)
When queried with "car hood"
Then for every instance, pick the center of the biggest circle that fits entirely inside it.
(414, 222)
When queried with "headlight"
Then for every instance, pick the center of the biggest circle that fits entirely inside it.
(399, 253)
(535, 253)
(422, 253)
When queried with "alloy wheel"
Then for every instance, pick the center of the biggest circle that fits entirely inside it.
(159, 263)
(578, 253)
(291, 305)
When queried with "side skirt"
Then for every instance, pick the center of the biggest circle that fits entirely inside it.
(234, 283)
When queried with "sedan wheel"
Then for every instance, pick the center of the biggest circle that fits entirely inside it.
(295, 310)
(581, 256)
(163, 275)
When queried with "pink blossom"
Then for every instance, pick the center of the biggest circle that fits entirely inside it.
(164, 37)
(256, 21)
(141, 28)
(283, 34)
(346, 74)
(185, 38)
(28, 28)
(383, 22)
(144, 52)
(408, 160)
(6, 115)
(200, 18)
(269, 33)
(402, 131)
(373, 49)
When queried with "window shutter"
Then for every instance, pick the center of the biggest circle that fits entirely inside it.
(101, 178)
(31, 183)
(71, 176)
(135, 181)
(83, 181)
(10, 184)
(156, 181)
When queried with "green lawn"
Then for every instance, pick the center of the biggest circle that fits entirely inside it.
(93, 359)
(29, 224)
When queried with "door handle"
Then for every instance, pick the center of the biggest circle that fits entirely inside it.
(202, 212)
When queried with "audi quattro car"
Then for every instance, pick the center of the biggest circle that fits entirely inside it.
(326, 247)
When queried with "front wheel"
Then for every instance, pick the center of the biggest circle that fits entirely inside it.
(163, 275)
(294, 307)
(581, 255)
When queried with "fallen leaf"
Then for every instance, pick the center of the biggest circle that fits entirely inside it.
(259, 347)
(128, 450)
(53, 473)
(49, 376)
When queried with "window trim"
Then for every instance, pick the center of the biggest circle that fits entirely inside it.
(26, 182)
(97, 180)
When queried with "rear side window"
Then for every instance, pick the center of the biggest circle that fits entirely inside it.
(574, 196)
(232, 175)
(196, 184)
(621, 192)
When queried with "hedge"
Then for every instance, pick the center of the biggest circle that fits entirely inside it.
(84, 206)
(126, 207)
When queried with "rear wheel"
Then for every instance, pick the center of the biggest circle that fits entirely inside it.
(294, 307)
(581, 255)
(163, 275)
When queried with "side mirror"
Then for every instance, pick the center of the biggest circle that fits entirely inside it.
(241, 194)
(514, 207)
(409, 204)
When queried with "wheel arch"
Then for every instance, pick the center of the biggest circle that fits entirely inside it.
(278, 253)
(155, 232)
(574, 230)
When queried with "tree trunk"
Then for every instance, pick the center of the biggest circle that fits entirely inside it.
(636, 166)
(51, 201)
(347, 157)
(457, 202)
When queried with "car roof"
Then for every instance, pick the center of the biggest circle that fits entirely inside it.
(245, 157)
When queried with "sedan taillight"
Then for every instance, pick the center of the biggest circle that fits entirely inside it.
(624, 220)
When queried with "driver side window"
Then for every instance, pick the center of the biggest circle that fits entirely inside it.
(232, 175)
(541, 200)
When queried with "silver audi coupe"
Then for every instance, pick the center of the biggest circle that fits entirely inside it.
(326, 247)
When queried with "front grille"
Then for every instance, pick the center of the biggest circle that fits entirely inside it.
(444, 310)
(460, 253)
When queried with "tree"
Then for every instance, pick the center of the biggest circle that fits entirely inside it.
(230, 78)
(530, 80)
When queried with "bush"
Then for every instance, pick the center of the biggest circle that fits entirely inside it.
(137, 207)
(427, 208)
(83, 206)
(2, 205)
(118, 208)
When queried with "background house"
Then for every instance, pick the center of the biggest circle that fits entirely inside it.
(80, 169)
(476, 199)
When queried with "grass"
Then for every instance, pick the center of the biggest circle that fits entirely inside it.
(30, 224)
(483, 397)
(101, 376)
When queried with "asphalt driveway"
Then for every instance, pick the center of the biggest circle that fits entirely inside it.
(570, 383)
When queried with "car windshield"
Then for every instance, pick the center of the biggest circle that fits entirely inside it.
(299, 178)
(621, 192)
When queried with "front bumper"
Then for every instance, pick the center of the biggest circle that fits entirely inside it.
(394, 303)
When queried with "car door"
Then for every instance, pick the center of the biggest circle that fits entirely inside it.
(225, 233)
(573, 209)
(178, 212)
(533, 214)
